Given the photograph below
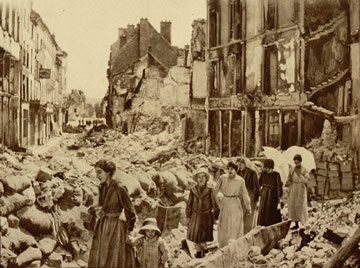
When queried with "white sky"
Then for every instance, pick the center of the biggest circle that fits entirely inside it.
(85, 29)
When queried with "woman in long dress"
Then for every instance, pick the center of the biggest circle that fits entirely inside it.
(116, 217)
(253, 188)
(297, 201)
(231, 194)
(202, 210)
(270, 195)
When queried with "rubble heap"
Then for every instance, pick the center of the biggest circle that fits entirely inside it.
(335, 177)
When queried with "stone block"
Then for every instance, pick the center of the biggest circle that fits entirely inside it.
(36, 187)
(2, 191)
(4, 225)
(15, 183)
(34, 264)
(44, 174)
(47, 245)
(29, 255)
(35, 220)
(13, 221)
(12, 203)
(54, 260)
(29, 193)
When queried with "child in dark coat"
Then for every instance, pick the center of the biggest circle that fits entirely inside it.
(202, 210)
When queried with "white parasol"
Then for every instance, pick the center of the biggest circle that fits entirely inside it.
(308, 160)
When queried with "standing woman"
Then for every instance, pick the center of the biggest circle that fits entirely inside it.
(297, 201)
(270, 194)
(253, 188)
(109, 248)
(202, 210)
(231, 194)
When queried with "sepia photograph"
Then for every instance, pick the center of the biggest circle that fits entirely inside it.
(179, 133)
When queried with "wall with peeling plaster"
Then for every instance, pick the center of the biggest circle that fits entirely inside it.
(254, 59)
(287, 65)
(199, 79)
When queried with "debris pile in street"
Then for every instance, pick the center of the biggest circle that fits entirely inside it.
(336, 177)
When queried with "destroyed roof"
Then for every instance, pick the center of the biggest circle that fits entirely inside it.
(145, 37)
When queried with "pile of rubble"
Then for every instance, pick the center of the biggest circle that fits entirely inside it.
(330, 225)
(336, 175)
(39, 215)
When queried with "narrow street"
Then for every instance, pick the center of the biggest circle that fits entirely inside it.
(214, 134)
(56, 185)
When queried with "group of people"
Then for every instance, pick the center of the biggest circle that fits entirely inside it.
(241, 200)
(234, 202)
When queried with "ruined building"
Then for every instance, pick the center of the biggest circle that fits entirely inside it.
(136, 49)
(275, 71)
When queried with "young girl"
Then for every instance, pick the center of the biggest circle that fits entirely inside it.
(152, 250)
(202, 210)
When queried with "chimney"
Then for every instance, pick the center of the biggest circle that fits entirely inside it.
(121, 31)
(165, 30)
(130, 31)
(122, 36)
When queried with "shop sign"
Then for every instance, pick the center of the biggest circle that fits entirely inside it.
(44, 73)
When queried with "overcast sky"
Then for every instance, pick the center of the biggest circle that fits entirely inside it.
(85, 29)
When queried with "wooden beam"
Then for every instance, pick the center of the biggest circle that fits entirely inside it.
(221, 133)
(345, 251)
(230, 131)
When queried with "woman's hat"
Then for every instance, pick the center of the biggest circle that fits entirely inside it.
(202, 170)
(149, 224)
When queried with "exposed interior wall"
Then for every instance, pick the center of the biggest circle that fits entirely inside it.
(253, 63)
(327, 56)
(199, 79)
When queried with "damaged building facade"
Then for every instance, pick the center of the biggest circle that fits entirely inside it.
(139, 60)
(275, 71)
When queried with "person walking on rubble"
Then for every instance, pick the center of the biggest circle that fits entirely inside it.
(231, 194)
(202, 210)
(297, 201)
(270, 195)
(152, 250)
(116, 217)
(253, 188)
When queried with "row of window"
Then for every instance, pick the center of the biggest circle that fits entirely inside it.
(235, 20)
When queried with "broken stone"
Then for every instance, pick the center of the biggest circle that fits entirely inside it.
(15, 183)
(18, 239)
(13, 221)
(81, 263)
(317, 262)
(279, 257)
(80, 154)
(29, 255)
(11, 203)
(254, 251)
(44, 174)
(54, 260)
(35, 220)
(47, 245)
(6, 256)
(4, 226)
(11, 160)
(34, 264)
(2, 191)
(29, 193)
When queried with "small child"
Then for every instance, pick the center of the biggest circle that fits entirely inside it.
(202, 210)
(152, 250)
